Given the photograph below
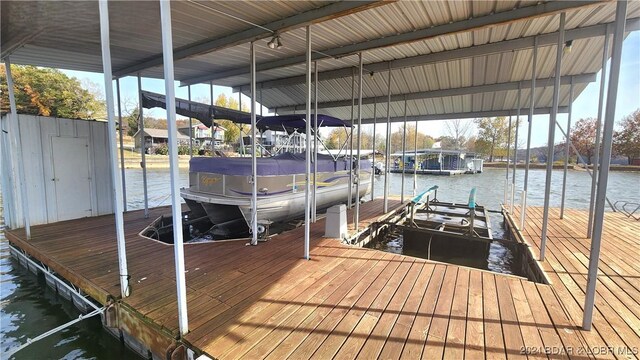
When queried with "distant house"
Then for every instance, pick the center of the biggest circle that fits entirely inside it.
(202, 134)
(155, 137)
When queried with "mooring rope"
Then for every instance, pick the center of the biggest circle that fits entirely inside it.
(11, 352)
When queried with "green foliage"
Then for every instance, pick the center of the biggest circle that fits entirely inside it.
(493, 135)
(627, 141)
(232, 133)
(161, 149)
(49, 92)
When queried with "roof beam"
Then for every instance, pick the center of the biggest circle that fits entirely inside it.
(544, 9)
(479, 50)
(468, 115)
(468, 90)
(331, 11)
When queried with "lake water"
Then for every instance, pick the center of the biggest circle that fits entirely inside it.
(28, 307)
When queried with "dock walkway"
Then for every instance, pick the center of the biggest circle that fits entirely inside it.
(347, 302)
(616, 317)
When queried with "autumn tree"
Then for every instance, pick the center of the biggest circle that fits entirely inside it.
(339, 135)
(423, 141)
(232, 133)
(583, 135)
(627, 141)
(492, 135)
(49, 92)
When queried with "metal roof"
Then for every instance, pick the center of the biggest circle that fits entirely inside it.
(478, 49)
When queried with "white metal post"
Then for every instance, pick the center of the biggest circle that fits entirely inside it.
(356, 221)
(415, 160)
(353, 94)
(113, 152)
(307, 208)
(190, 125)
(532, 100)
(566, 152)
(552, 134)
(404, 142)
(388, 144)
(176, 206)
(515, 155)
(603, 175)
(314, 207)
(212, 130)
(596, 158)
(254, 161)
(16, 143)
(506, 180)
(373, 163)
(143, 149)
(120, 130)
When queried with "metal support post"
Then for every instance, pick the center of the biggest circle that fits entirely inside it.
(373, 163)
(415, 161)
(506, 180)
(103, 7)
(314, 207)
(190, 125)
(532, 100)
(16, 143)
(353, 94)
(120, 130)
(176, 206)
(254, 161)
(551, 139)
(515, 155)
(596, 158)
(404, 139)
(307, 207)
(143, 149)
(356, 221)
(566, 152)
(212, 131)
(387, 149)
(603, 175)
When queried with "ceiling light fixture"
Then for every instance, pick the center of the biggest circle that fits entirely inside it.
(275, 42)
(567, 46)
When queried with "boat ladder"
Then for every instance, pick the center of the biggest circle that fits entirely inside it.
(628, 208)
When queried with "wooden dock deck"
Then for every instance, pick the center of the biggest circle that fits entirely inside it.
(347, 302)
(616, 317)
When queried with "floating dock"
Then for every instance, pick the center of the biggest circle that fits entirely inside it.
(348, 302)
(430, 172)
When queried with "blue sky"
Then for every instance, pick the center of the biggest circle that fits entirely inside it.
(586, 105)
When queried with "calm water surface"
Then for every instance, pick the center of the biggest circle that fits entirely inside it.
(28, 307)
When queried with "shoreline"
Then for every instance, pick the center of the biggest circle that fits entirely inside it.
(502, 165)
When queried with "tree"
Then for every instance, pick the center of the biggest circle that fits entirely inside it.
(232, 133)
(424, 141)
(337, 137)
(583, 135)
(627, 141)
(492, 134)
(49, 92)
(457, 131)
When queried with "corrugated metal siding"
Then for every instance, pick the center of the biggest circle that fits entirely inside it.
(36, 133)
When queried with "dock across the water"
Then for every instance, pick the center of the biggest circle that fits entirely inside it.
(349, 302)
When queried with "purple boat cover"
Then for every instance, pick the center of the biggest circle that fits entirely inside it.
(283, 164)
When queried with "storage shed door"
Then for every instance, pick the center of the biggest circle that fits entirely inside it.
(71, 177)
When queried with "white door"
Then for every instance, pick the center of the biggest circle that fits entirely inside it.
(72, 177)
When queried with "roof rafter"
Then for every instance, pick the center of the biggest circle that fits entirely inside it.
(448, 55)
(467, 90)
(407, 37)
(331, 11)
(466, 115)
